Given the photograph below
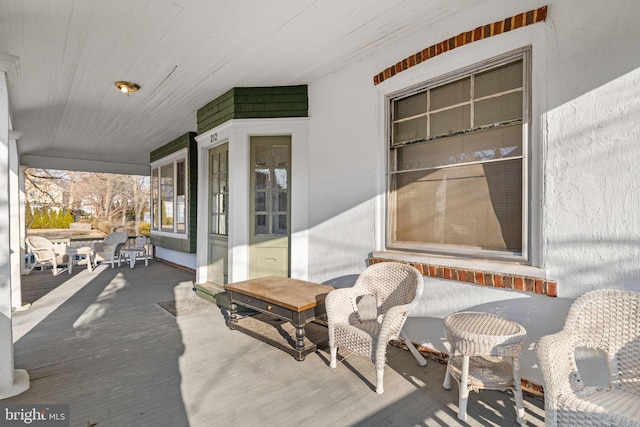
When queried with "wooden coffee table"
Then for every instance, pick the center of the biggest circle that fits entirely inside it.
(280, 299)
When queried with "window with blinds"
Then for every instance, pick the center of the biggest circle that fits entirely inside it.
(457, 163)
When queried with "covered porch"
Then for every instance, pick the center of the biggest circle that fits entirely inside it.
(107, 343)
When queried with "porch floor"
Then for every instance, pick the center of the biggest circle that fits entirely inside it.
(106, 343)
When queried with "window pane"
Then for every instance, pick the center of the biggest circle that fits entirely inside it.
(279, 225)
(261, 201)
(154, 197)
(410, 130)
(181, 198)
(166, 195)
(498, 80)
(279, 201)
(224, 157)
(499, 109)
(477, 206)
(223, 224)
(410, 106)
(215, 229)
(215, 163)
(181, 178)
(262, 178)
(489, 144)
(261, 226)
(450, 94)
(280, 179)
(451, 121)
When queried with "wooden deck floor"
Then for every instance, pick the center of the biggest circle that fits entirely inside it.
(107, 344)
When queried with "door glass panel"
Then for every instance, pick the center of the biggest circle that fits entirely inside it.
(262, 178)
(280, 178)
(279, 201)
(222, 224)
(261, 224)
(261, 201)
(279, 224)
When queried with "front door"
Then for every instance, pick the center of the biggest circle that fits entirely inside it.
(218, 214)
(270, 206)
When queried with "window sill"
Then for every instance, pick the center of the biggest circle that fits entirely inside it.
(480, 272)
(168, 234)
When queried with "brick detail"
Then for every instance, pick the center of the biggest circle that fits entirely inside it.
(254, 103)
(534, 285)
(483, 32)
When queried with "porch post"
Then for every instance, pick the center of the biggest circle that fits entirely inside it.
(15, 231)
(12, 381)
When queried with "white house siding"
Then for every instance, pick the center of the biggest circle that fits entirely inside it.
(585, 133)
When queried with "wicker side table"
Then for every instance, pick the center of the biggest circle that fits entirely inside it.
(484, 355)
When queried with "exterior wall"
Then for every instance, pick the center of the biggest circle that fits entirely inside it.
(176, 245)
(584, 221)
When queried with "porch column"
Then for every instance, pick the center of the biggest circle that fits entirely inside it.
(12, 381)
(16, 242)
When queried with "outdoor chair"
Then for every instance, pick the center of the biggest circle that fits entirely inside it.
(139, 248)
(364, 318)
(109, 249)
(607, 321)
(48, 254)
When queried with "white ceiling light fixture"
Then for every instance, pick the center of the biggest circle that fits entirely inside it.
(127, 87)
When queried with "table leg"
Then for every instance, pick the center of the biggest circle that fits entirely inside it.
(517, 392)
(300, 333)
(233, 312)
(464, 389)
(132, 259)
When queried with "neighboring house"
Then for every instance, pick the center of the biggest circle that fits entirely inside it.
(497, 154)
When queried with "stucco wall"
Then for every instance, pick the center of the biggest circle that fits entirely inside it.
(584, 149)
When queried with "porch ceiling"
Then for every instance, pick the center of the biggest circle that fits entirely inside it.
(182, 53)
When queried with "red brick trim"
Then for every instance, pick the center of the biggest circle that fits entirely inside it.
(521, 20)
(535, 285)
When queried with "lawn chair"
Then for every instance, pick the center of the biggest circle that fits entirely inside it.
(48, 254)
(109, 249)
(608, 321)
(364, 318)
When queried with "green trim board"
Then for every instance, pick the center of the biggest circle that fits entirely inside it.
(254, 103)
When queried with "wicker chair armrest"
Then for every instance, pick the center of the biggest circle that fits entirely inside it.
(393, 320)
(556, 360)
(341, 304)
(44, 253)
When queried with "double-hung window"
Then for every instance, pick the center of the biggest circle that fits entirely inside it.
(458, 163)
(169, 194)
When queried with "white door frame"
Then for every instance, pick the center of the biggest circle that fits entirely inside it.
(237, 133)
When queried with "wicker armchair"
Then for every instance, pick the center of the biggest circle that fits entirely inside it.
(109, 249)
(47, 253)
(606, 320)
(365, 317)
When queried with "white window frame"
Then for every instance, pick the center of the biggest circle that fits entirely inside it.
(524, 257)
(172, 159)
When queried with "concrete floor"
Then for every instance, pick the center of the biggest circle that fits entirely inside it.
(101, 342)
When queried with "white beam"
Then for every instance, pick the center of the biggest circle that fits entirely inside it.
(82, 165)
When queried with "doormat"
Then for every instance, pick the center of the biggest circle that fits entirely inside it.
(186, 306)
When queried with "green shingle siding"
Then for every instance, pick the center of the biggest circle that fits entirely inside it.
(254, 103)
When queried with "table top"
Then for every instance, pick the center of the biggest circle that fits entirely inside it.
(83, 250)
(483, 333)
(293, 294)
